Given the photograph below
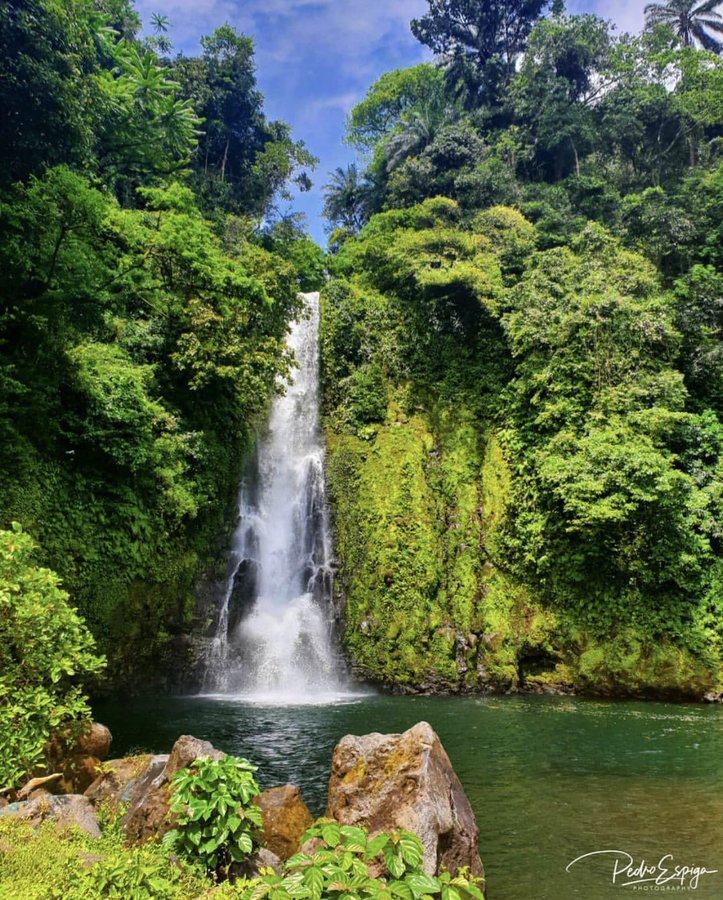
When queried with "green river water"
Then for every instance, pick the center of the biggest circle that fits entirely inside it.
(550, 778)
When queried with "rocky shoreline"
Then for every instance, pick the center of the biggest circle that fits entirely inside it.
(383, 782)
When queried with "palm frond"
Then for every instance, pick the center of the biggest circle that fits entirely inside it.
(716, 27)
(708, 6)
(707, 41)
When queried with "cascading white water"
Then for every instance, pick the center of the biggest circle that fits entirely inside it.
(273, 638)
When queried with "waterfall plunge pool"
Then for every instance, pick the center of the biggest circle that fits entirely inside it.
(550, 778)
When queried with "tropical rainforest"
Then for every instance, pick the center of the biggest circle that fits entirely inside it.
(523, 368)
(522, 304)
(145, 293)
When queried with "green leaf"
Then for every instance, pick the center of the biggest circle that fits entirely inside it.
(411, 849)
(395, 865)
(450, 893)
(331, 833)
(376, 845)
(421, 883)
(314, 880)
(244, 842)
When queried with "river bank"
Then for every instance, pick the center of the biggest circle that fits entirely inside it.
(643, 776)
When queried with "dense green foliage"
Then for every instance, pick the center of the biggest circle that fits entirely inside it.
(43, 864)
(521, 355)
(145, 293)
(340, 863)
(217, 822)
(336, 862)
(44, 647)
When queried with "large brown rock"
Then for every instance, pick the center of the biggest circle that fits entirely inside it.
(286, 818)
(388, 781)
(186, 750)
(78, 760)
(124, 779)
(148, 813)
(79, 772)
(65, 811)
(96, 742)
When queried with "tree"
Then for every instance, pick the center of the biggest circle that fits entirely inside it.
(45, 648)
(287, 237)
(391, 100)
(148, 131)
(417, 130)
(565, 73)
(484, 36)
(47, 116)
(345, 199)
(243, 160)
(695, 24)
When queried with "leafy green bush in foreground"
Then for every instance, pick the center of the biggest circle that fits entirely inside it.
(218, 822)
(44, 648)
(342, 863)
(44, 864)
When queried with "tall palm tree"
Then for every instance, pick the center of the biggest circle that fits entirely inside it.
(345, 199)
(418, 129)
(696, 24)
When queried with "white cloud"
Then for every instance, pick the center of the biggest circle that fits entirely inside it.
(343, 102)
(628, 15)
(316, 58)
(292, 28)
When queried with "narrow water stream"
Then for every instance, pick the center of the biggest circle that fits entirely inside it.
(273, 637)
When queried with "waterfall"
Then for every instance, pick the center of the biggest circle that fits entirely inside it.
(274, 629)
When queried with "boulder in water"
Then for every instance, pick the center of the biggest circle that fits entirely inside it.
(286, 818)
(389, 781)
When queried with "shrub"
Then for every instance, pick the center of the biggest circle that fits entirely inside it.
(339, 867)
(44, 648)
(218, 822)
(44, 864)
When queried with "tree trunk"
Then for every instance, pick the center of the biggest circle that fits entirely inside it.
(225, 159)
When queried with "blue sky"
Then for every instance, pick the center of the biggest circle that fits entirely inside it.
(316, 58)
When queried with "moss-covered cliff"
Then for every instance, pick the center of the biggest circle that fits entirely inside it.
(464, 566)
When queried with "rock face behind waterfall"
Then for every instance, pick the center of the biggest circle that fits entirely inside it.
(386, 781)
